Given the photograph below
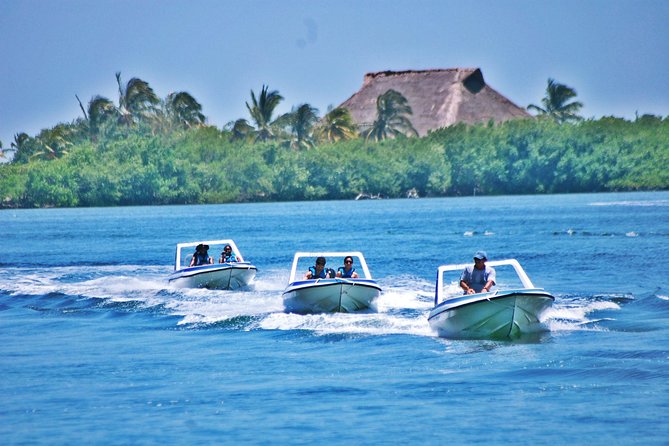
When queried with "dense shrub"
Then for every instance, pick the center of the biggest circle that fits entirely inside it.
(136, 165)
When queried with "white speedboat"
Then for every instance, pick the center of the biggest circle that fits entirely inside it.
(498, 314)
(329, 295)
(228, 275)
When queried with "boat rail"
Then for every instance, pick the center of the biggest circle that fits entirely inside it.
(525, 280)
(355, 254)
(180, 246)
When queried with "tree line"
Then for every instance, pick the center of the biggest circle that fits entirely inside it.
(145, 150)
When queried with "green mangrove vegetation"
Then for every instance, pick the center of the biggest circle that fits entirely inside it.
(145, 150)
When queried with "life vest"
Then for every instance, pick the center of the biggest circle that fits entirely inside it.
(201, 258)
(344, 273)
(229, 257)
(322, 275)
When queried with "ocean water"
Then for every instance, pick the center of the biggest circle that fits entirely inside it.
(97, 348)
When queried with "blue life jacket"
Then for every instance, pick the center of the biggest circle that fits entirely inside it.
(322, 275)
(201, 258)
(229, 257)
(344, 273)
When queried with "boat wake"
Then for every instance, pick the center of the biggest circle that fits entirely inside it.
(582, 313)
(402, 307)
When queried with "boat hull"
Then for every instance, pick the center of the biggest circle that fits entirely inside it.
(224, 276)
(502, 315)
(330, 295)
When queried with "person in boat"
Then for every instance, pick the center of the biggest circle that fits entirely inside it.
(318, 271)
(201, 256)
(347, 271)
(478, 278)
(227, 255)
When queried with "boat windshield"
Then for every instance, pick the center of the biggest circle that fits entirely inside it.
(334, 263)
(509, 276)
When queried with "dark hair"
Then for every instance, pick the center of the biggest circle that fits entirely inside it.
(320, 261)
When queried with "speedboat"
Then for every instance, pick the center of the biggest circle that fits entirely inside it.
(498, 314)
(228, 275)
(330, 295)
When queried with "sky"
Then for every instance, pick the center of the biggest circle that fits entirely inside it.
(614, 53)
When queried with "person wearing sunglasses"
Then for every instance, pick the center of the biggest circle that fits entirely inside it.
(227, 255)
(347, 271)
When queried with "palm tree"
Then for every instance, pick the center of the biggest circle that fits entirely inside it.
(100, 110)
(300, 121)
(53, 143)
(22, 147)
(337, 125)
(183, 110)
(556, 105)
(240, 130)
(137, 100)
(262, 110)
(392, 109)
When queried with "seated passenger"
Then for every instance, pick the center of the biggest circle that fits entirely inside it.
(227, 255)
(347, 271)
(479, 277)
(201, 256)
(318, 271)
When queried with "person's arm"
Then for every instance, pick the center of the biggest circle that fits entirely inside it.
(464, 282)
(487, 286)
(466, 287)
(491, 276)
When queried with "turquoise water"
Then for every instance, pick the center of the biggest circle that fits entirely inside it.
(96, 348)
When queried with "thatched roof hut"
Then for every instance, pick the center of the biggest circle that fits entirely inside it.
(438, 98)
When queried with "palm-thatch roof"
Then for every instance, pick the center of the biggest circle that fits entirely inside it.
(438, 98)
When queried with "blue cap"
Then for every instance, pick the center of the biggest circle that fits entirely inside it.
(481, 255)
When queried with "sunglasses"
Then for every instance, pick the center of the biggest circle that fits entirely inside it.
(348, 261)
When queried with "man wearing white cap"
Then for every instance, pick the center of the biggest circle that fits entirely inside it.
(478, 278)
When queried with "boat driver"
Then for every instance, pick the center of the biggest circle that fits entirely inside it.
(201, 256)
(318, 271)
(478, 278)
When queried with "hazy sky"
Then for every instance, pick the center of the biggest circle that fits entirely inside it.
(615, 53)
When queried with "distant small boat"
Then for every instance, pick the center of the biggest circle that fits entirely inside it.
(502, 314)
(336, 295)
(219, 276)
(363, 196)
